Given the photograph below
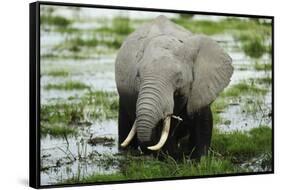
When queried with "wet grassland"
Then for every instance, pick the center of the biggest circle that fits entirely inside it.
(79, 101)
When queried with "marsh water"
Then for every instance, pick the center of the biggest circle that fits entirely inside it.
(84, 153)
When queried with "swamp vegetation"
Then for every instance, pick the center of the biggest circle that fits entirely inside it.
(79, 101)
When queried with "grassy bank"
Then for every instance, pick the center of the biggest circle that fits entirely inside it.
(228, 152)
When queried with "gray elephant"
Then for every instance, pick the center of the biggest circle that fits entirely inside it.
(167, 78)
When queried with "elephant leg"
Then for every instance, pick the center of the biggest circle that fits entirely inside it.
(178, 133)
(125, 123)
(201, 133)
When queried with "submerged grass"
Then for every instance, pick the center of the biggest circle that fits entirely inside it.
(229, 150)
(252, 106)
(74, 44)
(61, 113)
(112, 33)
(263, 67)
(70, 85)
(121, 25)
(254, 47)
(217, 107)
(58, 73)
(58, 21)
(264, 80)
(250, 33)
(93, 105)
(215, 27)
(57, 130)
(243, 88)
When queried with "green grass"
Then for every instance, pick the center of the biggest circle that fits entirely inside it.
(97, 105)
(229, 25)
(112, 33)
(70, 85)
(263, 67)
(217, 107)
(250, 33)
(242, 146)
(58, 21)
(264, 80)
(58, 73)
(81, 42)
(243, 88)
(217, 119)
(254, 43)
(75, 44)
(133, 168)
(56, 130)
(105, 104)
(254, 47)
(203, 26)
(229, 151)
(252, 106)
(61, 113)
(121, 25)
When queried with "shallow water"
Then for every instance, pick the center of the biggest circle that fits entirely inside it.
(238, 120)
(62, 158)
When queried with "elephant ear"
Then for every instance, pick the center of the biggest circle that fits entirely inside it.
(212, 71)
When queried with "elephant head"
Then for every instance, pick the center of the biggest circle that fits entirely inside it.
(171, 64)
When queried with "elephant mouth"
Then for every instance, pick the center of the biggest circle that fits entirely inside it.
(163, 137)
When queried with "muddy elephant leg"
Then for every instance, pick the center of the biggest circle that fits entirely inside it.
(125, 123)
(201, 132)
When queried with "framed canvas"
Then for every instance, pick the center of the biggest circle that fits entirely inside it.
(131, 94)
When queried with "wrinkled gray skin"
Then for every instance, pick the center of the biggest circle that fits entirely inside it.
(161, 65)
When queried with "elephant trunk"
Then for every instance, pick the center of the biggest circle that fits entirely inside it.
(155, 102)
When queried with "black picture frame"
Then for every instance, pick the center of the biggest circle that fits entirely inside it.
(34, 91)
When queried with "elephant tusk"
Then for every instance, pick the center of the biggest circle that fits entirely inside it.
(130, 136)
(164, 135)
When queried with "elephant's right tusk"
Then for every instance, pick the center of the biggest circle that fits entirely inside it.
(130, 136)
(164, 135)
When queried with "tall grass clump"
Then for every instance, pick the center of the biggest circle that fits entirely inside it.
(254, 47)
(57, 21)
(121, 25)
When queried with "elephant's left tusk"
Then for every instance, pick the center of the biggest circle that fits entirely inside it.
(164, 135)
(130, 136)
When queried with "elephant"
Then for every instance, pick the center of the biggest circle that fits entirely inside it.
(167, 78)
